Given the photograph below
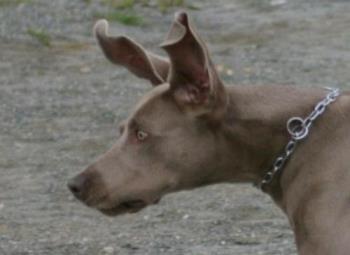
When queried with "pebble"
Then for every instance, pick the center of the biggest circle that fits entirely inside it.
(85, 240)
(108, 250)
(277, 2)
(220, 68)
(229, 72)
(85, 69)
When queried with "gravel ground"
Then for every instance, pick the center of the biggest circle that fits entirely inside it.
(60, 106)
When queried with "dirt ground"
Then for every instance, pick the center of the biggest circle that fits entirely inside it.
(60, 105)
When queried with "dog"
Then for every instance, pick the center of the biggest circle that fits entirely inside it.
(190, 130)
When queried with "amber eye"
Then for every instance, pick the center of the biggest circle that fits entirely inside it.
(141, 135)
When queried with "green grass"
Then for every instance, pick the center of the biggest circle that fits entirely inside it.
(122, 10)
(120, 4)
(41, 36)
(12, 2)
(164, 5)
(127, 18)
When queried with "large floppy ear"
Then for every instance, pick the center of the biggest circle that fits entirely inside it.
(124, 51)
(193, 78)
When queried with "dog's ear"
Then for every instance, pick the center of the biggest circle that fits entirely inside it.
(193, 78)
(124, 51)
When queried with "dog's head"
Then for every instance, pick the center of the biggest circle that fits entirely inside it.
(169, 141)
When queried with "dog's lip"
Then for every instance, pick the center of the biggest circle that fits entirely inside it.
(133, 204)
(129, 206)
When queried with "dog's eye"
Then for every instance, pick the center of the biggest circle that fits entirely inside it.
(141, 135)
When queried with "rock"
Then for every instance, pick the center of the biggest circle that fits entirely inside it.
(108, 250)
(277, 2)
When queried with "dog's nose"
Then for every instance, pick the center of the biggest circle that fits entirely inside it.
(77, 186)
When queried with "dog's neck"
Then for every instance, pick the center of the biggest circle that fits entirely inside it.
(255, 128)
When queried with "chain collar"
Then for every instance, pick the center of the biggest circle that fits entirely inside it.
(298, 130)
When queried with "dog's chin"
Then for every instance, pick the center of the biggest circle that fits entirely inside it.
(133, 206)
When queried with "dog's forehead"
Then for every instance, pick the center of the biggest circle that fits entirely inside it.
(153, 102)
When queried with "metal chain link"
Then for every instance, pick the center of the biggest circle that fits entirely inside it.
(298, 129)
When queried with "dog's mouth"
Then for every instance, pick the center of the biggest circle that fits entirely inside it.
(131, 206)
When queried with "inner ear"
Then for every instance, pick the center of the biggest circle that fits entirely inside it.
(124, 51)
(192, 77)
(187, 53)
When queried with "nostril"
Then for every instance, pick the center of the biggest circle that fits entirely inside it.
(73, 187)
(77, 186)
